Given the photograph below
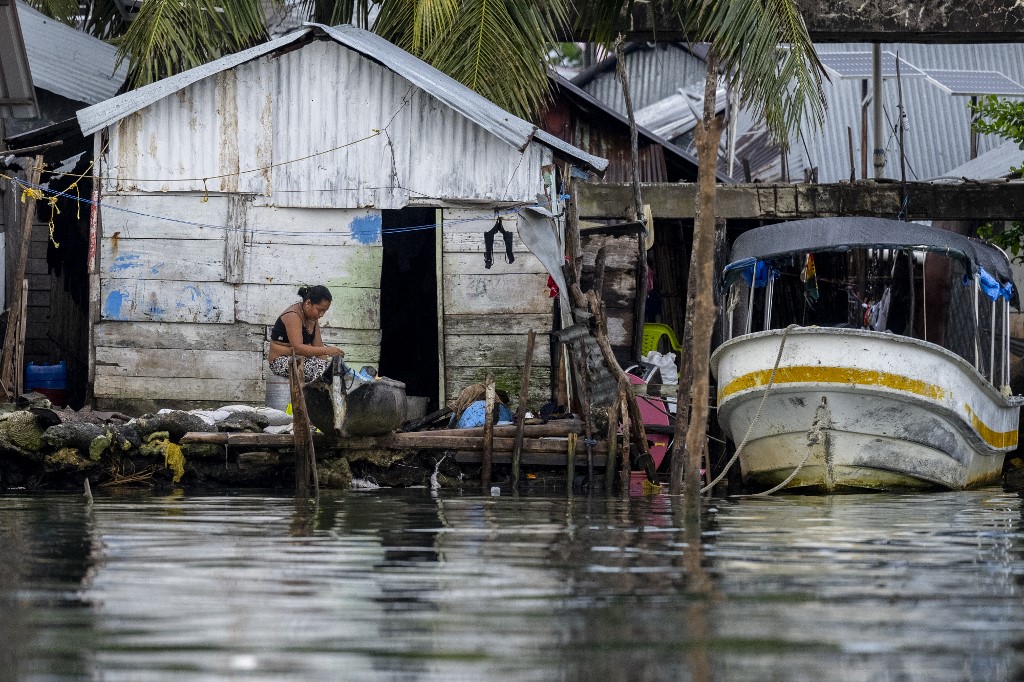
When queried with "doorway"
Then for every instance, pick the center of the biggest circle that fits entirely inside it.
(408, 302)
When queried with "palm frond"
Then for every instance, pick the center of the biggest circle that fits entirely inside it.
(103, 19)
(415, 24)
(767, 54)
(497, 47)
(170, 36)
(64, 11)
(334, 12)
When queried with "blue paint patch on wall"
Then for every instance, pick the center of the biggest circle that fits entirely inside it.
(112, 306)
(197, 295)
(366, 229)
(125, 262)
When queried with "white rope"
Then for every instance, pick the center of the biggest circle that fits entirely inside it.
(757, 415)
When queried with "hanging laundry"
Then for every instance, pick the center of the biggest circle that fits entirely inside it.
(489, 244)
(878, 314)
(809, 276)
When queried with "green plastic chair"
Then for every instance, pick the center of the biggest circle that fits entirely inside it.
(652, 337)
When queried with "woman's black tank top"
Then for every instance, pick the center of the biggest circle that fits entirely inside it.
(280, 334)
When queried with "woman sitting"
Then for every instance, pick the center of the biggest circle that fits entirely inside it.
(298, 330)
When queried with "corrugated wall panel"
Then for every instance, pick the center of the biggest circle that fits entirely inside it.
(310, 103)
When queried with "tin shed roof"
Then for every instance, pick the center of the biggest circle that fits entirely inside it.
(69, 62)
(477, 108)
(16, 92)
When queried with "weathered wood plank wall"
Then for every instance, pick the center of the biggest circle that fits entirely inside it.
(488, 311)
(187, 304)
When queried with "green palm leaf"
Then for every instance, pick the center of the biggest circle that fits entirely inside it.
(170, 36)
(768, 56)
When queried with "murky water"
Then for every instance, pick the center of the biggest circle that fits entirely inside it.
(399, 585)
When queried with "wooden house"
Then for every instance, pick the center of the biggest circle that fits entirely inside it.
(325, 156)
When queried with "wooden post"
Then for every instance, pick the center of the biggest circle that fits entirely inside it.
(305, 456)
(485, 470)
(708, 134)
(613, 446)
(639, 310)
(623, 402)
(19, 349)
(524, 393)
(9, 356)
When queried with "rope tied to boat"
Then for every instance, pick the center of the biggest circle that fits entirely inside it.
(757, 417)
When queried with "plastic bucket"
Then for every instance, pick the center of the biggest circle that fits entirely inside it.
(49, 380)
(279, 392)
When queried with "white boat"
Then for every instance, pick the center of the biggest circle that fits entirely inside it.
(866, 395)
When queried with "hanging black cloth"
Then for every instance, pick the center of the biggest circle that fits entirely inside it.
(489, 244)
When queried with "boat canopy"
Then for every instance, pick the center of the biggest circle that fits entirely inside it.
(838, 234)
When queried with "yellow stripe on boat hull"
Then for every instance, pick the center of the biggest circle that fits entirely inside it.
(851, 376)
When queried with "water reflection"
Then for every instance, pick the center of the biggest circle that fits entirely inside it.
(405, 585)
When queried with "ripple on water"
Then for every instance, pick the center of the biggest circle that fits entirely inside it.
(399, 584)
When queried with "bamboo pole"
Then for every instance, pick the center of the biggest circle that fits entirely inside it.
(9, 357)
(524, 392)
(302, 436)
(491, 397)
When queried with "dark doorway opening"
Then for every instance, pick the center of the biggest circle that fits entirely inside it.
(408, 302)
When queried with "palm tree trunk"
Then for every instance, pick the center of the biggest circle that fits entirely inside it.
(708, 134)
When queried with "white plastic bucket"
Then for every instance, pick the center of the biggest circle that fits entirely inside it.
(279, 392)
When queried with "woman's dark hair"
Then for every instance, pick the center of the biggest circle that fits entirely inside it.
(316, 294)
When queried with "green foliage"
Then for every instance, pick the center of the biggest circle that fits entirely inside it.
(764, 50)
(1002, 117)
(496, 47)
(1010, 239)
(565, 54)
(171, 36)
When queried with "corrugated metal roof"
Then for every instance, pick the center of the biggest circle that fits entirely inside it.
(470, 104)
(15, 76)
(938, 137)
(673, 152)
(655, 71)
(992, 165)
(937, 140)
(69, 62)
(677, 114)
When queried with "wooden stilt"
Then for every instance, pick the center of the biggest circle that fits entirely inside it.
(524, 392)
(613, 446)
(623, 401)
(490, 398)
(302, 437)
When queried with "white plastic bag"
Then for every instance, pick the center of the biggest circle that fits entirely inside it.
(666, 363)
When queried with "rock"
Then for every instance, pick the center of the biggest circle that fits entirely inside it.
(128, 436)
(99, 445)
(250, 422)
(176, 423)
(72, 435)
(32, 399)
(408, 470)
(66, 460)
(334, 474)
(22, 429)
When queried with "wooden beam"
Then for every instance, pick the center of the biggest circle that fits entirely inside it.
(926, 201)
(396, 441)
(853, 21)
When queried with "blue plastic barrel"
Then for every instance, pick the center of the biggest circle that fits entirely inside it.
(50, 380)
